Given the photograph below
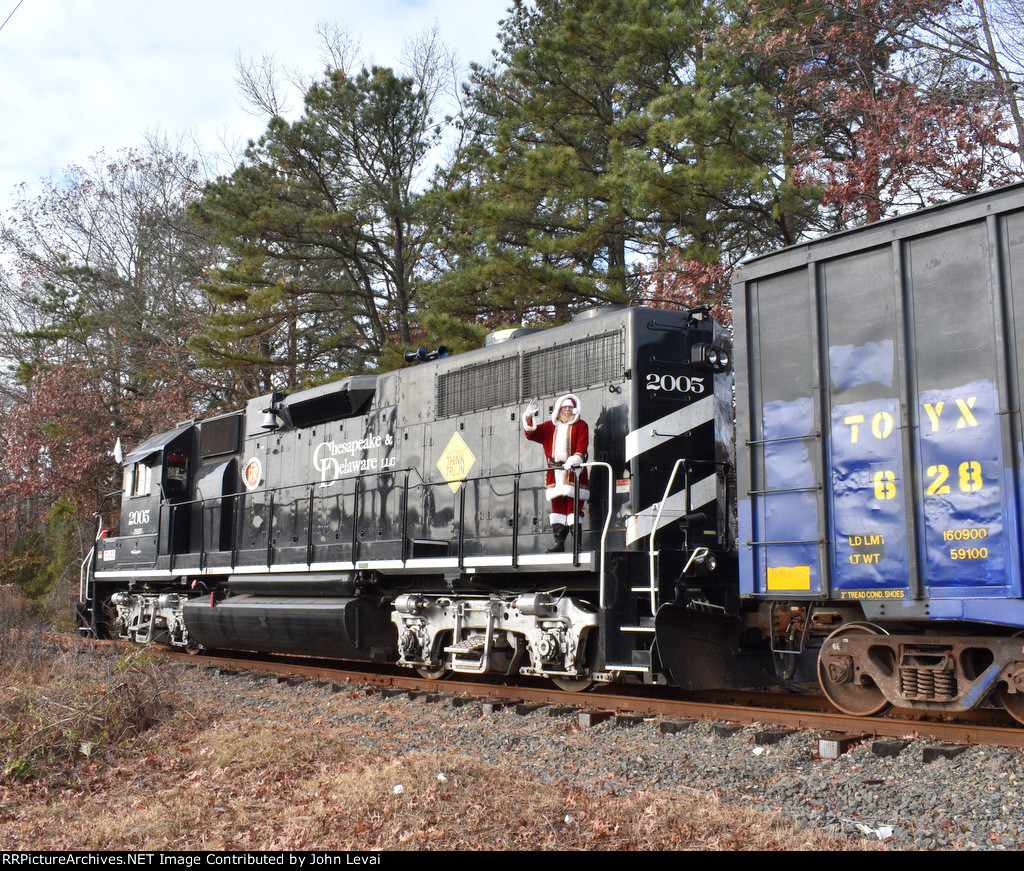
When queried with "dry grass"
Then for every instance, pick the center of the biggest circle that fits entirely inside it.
(94, 759)
(20, 633)
(229, 785)
(59, 704)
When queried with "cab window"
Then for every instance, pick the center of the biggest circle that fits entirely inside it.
(138, 479)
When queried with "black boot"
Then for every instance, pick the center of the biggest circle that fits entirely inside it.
(561, 531)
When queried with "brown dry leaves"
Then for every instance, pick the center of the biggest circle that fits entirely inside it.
(230, 785)
(219, 775)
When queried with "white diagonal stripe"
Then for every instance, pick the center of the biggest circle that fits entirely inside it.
(668, 427)
(701, 493)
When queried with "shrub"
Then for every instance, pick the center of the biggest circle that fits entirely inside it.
(59, 703)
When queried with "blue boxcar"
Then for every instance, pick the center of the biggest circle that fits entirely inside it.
(878, 396)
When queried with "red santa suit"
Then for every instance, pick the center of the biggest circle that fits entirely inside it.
(565, 447)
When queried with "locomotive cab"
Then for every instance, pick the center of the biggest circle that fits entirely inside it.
(155, 479)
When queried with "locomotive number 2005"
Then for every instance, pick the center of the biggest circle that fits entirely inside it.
(675, 383)
(138, 518)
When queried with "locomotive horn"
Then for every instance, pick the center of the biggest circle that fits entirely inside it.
(423, 355)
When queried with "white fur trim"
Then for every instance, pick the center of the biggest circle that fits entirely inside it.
(562, 487)
(558, 405)
(560, 443)
(567, 490)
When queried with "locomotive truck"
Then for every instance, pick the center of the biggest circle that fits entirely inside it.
(833, 486)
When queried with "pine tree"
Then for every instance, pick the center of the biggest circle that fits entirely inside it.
(610, 133)
(326, 233)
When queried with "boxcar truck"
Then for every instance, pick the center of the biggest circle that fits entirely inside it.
(878, 398)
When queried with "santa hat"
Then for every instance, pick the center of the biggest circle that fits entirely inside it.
(572, 401)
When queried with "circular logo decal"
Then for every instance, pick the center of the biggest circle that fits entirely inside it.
(252, 474)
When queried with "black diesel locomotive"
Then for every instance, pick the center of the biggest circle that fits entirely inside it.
(870, 528)
(404, 517)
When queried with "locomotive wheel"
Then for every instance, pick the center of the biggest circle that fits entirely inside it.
(859, 700)
(427, 673)
(571, 684)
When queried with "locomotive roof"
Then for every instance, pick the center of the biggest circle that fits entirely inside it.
(154, 443)
(353, 395)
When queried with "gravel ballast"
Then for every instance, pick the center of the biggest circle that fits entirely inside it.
(909, 795)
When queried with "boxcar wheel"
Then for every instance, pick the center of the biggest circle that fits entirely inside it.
(1012, 703)
(858, 699)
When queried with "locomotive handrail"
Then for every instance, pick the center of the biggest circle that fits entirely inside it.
(352, 489)
(88, 566)
(657, 518)
(84, 574)
(515, 522)
(604, 530)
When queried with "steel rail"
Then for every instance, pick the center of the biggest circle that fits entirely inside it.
(788, 712)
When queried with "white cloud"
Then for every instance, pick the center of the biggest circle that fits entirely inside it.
(78, 76)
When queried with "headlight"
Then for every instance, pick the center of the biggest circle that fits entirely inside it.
(709, 357)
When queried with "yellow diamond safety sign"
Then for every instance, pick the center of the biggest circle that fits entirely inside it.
(455, 462)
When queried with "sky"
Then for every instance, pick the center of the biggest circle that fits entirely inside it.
(78, 76)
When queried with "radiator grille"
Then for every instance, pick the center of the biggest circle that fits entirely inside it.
(573, 367)
(568, 368)
(475, 387)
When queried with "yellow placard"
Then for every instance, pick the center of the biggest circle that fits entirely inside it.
(455, 462)
(789, 578)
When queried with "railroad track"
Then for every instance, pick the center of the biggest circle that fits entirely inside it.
(808, 712)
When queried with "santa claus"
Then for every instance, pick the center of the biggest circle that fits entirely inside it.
(565, 439)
